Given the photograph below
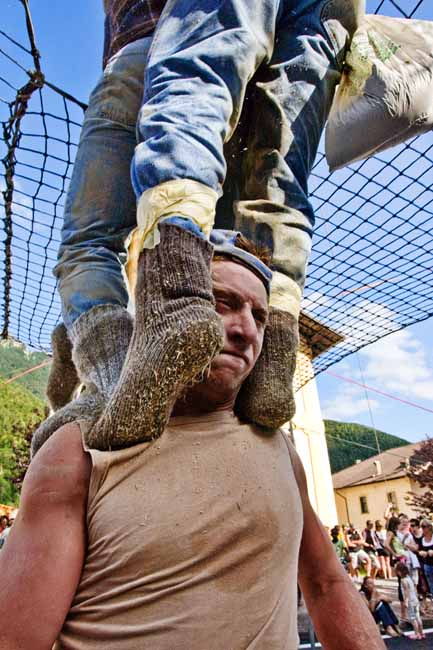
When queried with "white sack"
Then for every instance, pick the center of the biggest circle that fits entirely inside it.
(386, 94)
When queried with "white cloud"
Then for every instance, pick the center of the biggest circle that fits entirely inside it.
(348, 402)
(400, 364)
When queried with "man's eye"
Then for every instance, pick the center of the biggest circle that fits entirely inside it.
(260, 318)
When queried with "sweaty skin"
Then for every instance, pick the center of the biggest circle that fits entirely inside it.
(42, 561)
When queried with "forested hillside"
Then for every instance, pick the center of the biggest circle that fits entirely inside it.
(22, 408)
(341, 437)
(14, 358)
(20, 414)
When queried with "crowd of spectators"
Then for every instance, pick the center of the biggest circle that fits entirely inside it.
(401, 548)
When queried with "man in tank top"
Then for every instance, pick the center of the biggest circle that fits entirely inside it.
(196, 540)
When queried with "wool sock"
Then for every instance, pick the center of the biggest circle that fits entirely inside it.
(100, 342)
(63, 379)
(100, 339)
(266, 397)
(177, 333)
(88, 406)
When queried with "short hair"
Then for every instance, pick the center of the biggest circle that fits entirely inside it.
(245, 244)
(426, 523)
(401, 567)
(261, 252)
(414, 522)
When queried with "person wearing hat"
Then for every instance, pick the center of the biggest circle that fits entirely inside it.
(194, 540)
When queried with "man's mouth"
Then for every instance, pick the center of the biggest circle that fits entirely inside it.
(233, 353)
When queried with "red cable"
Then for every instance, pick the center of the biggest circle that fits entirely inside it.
(381, 392)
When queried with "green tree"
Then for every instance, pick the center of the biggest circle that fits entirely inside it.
(20, 414)
(420, 471)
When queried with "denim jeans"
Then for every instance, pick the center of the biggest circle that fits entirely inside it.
(203, 55)
(100, 208)
(428, 571)
(291, 54)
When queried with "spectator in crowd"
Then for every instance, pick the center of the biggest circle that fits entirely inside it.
(339, 545)
(358, 556)
(422, 586)
(411, 548)
(380, 606)
(4, 528)
(425, 551)
(371, 546)
(415, 529)
(5, 533)
(410, 600)
(398, 553)
(383, 555)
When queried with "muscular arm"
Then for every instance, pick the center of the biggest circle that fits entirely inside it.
(340, 615)
(41, 562)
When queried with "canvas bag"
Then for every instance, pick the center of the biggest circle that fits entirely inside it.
(386, 92)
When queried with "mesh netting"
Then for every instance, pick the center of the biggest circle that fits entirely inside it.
(371, 269)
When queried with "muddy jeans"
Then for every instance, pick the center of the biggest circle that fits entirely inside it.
(196, 78)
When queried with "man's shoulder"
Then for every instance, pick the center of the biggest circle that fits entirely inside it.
(61, 466)
(64, 445)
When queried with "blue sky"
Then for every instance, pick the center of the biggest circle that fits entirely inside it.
(70, 37)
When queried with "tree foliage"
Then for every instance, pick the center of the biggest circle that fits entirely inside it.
(420, 471)
(343, 440)
(15, 358)
(20, 414)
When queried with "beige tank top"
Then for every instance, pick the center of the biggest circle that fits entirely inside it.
(193, 543)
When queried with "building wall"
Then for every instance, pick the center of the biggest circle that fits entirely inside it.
(309, 438)
(349, 505)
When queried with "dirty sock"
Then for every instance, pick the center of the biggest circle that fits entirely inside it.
(87, 406)
(63, 378)
(266, 397)
(177, 333)
(100, 340)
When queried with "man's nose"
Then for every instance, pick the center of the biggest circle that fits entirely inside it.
(244, 326)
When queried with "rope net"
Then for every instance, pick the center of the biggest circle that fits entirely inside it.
(371, 269)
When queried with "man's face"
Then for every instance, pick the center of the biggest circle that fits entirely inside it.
(369, 525)
(241, 301)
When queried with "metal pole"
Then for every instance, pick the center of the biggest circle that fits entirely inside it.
(311, 634)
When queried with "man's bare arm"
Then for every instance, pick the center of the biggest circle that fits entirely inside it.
(340, 615)
(41, 562)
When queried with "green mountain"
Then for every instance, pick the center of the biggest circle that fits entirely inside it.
(20, 414)
(22, 409)
(14, 358)
(341, 437)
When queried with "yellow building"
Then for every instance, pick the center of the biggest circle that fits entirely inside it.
(307, 429)
(363, 490)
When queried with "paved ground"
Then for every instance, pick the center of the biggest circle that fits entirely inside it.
(406, 644)
(388, 587)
